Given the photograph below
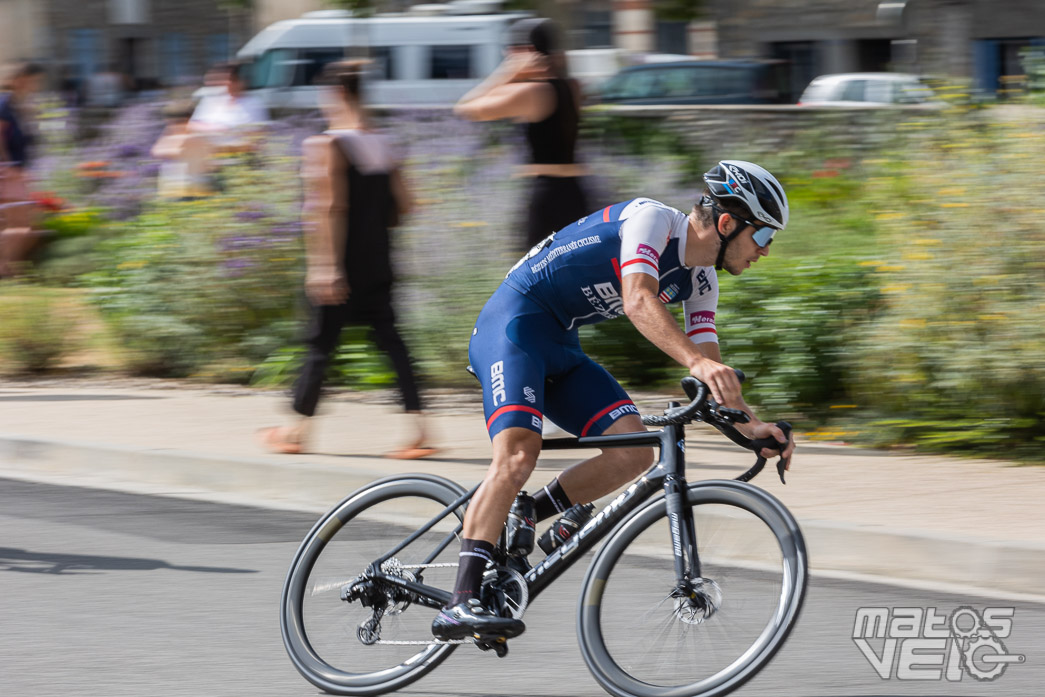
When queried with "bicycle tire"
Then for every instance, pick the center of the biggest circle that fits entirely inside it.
(359, 513)
(626, 667)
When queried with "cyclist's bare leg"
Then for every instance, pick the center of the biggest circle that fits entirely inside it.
(515, 452)
(608, 471)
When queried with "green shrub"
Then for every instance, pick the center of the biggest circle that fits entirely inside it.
(35, 328)
(954, 359)
(787, 324)
(189, 287)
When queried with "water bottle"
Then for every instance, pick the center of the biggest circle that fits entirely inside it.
(519, 531)
(564, 528)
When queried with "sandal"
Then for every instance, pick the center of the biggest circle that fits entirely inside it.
(412, 452)
(274, 438)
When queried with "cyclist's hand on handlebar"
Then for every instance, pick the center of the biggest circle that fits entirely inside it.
(721, 380)
(760, 429)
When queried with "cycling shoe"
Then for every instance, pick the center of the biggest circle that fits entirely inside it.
(471, 619)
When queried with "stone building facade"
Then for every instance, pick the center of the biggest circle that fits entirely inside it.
(977, 40)
(151, 42)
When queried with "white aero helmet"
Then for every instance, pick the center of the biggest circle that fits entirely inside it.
(757, 189)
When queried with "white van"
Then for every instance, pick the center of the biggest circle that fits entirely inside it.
(427, 56)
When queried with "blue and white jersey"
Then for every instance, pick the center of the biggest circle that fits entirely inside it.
(576, 273)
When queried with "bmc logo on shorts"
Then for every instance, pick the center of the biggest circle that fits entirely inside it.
(621, 411)
(497, 383)
(701, 318)
(650, 253)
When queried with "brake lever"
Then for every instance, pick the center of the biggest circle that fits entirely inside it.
(782, 463)
(733, 416)
(774, 444)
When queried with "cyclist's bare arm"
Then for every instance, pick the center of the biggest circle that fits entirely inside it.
(703, 361)
(652, 319)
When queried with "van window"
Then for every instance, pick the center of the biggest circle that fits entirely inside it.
(311, 61)
(274, 68)
(451, 63)
(383, 63)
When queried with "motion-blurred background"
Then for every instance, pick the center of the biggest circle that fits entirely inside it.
(909, 135)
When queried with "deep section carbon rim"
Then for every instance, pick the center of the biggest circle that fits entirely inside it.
(643, 636)
(381, 644)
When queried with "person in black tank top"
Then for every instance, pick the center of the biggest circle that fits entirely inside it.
(354, 194)
(531, 86)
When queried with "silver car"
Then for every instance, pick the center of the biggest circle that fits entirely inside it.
(867, 89)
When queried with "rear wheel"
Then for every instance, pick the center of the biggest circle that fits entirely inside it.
(352, 637)
(643, 634)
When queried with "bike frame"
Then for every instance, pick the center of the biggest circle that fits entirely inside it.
(667, 474)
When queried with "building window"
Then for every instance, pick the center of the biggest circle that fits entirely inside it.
(174, 67)
(598, 29)
(451, 63)
(218, 49)
(671, 37)
(128, 11)
(86, 45)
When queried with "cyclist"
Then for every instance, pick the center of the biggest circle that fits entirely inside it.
(630, 259)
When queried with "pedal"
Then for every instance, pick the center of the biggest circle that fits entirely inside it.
(499, 645)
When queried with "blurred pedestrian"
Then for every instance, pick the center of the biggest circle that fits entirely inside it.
(233, 111)
(185, 171)
(354, 193)
(18, 212)
(532, 86)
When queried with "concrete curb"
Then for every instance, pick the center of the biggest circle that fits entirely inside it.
(922, 558)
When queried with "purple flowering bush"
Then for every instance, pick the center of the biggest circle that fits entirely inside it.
(207, 287)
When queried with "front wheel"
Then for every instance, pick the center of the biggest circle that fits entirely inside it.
(349, 637)
(644, 634)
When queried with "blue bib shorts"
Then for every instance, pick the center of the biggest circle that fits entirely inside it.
(531, 367)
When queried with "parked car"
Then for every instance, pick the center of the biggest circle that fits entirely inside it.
(867, 89)
(593, 66)
(699, 82)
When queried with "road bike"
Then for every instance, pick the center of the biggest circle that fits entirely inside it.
(697, 587)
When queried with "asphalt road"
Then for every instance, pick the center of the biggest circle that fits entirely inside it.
(111, 594)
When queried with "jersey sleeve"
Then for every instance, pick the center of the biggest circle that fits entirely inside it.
(643, 238)
(699, 309)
